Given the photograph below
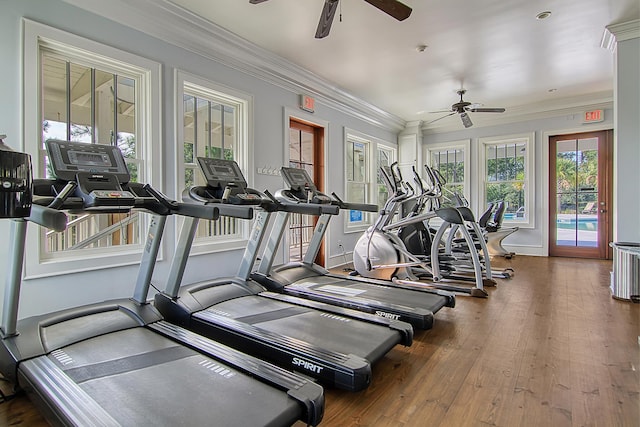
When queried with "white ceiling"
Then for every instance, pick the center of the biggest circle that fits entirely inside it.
(497, 50)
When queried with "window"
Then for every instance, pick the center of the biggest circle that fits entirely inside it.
(452, 161)
(86, 104)
(507, 165)
(213, 122)
(76, 89)
(360, 167)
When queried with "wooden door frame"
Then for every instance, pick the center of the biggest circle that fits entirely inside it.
(320, 174)
(605, 193)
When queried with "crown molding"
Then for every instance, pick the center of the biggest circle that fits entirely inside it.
(168, 22)
(541, 110)
(625, 30)
(615, 33)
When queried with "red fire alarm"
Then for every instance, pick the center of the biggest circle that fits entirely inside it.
(593, 116)
(307, 103)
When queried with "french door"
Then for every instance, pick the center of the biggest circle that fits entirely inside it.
(580, 195)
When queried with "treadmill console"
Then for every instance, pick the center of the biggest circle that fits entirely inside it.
(301, 186)
(99, 170)
(225, 182)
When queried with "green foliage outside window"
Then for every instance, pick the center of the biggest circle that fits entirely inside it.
(505, 176)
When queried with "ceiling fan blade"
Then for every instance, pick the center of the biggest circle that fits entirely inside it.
(256, 1)
(326, 18)
(466, 120)
(394, 8)
(440, 118)
(487, 110)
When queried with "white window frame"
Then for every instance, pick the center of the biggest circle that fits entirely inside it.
(83, 51)
(463, 145)
(243, 103)
(529, 182)
(372, 145)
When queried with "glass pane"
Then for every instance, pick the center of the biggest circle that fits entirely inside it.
(566, 166)
(510, 168)
(510, 192)
(359, 162)
(294, 145)
(492, 166)
(54, 97)
(502, 165)
(214, 129)
(104, 114)
(202, 127)
(449, 191)
(587, 162)
(81, 94)
(309, 169)
(384, 158)
(566, 220)
(95, 231)
(126, 113)
(229, 140)
(350, 166)
(189, 128)
(356, 193)
(588, 232)
(383, 195)
(188, 177)
(134, 171)
(307, 147)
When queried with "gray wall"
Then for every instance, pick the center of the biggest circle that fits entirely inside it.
(43, 295)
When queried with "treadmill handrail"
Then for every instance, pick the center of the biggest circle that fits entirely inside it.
(366, 207)
(48, 217)
(286, 204)
(224, 209)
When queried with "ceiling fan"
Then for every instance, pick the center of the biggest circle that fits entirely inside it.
(462, 107)
(394, 8)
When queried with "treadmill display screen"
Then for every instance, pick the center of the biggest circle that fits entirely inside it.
(220, 173)
(68, 158)
(298, 179)
(89, 159)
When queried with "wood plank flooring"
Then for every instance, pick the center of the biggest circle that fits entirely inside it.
(549, 347)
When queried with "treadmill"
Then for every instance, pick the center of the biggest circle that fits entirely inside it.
(307, 279)
(118, 362)
(333, 345)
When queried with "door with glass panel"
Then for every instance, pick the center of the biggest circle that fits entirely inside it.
(305, 152)
(580, 167)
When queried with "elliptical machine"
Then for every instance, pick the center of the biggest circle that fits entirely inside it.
(456, 249)
(380, 253)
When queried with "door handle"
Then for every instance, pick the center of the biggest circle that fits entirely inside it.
(603, 210)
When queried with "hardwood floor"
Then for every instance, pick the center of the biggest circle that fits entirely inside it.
(549, 347)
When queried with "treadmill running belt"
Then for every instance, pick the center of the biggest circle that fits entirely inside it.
(81, 374)
(268, 316)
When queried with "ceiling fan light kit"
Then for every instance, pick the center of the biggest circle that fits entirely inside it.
(392, 8)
